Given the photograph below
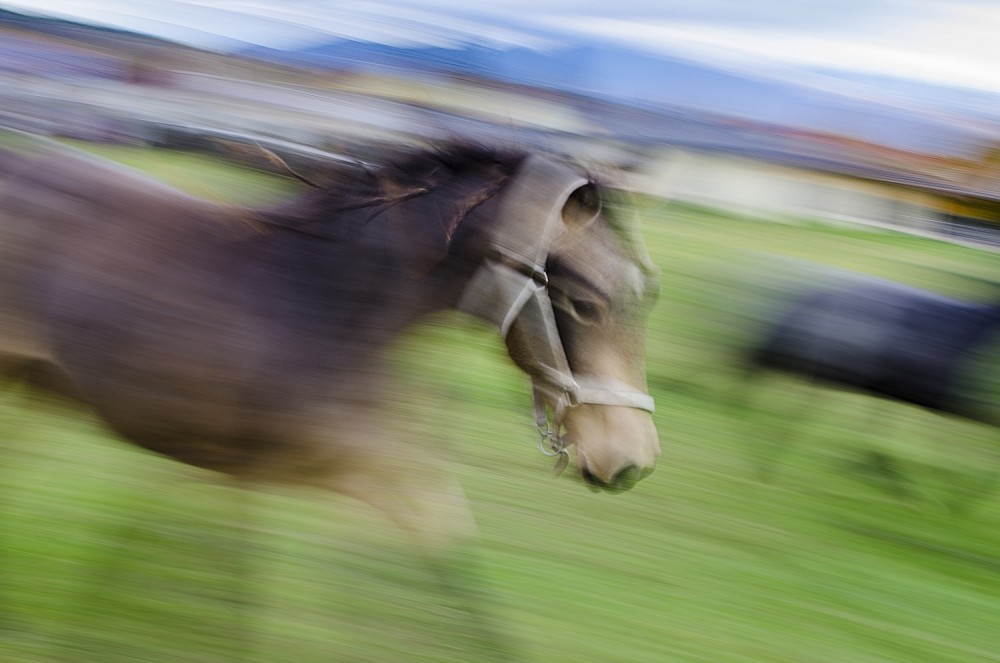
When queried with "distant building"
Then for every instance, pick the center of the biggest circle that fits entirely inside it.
(962, 209)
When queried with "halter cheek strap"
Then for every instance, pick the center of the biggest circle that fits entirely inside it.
(511, 286)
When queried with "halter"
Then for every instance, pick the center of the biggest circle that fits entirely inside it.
(511, 285)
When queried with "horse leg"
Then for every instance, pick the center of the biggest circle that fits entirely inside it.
(423, 499)
(965, 495)
(963, 499)
(458, 576)
(738, 404)
(737, 398)
(881, 467)
(780, 439)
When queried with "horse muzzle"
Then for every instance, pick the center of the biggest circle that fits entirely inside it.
(616, 446)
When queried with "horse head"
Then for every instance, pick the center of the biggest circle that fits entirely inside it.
(569, 293)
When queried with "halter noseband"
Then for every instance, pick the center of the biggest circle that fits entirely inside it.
(512, 285)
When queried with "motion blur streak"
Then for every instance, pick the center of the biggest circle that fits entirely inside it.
(291, 316)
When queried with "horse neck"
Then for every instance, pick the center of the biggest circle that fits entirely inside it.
(367, 278)
(421, 246)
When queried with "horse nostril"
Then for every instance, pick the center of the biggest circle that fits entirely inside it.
(592, 481)
(626, 478)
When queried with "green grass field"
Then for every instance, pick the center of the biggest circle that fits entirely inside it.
(829, 561)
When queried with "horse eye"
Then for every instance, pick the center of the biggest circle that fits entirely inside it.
(586, 310)
(583, 309)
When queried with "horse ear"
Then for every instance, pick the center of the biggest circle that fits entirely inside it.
(582, 207)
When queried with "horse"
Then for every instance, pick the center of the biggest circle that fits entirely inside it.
(890, 341)
(251, 341)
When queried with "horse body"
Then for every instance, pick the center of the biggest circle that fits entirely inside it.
(249, 341)
(166, 320)
(882, 338)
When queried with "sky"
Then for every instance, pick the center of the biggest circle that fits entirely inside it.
(952, 42)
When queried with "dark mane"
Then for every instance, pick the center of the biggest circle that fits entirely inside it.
(363, 191)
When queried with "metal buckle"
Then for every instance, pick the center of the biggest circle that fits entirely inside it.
(551, 442)
(521, 265)
(552, 445)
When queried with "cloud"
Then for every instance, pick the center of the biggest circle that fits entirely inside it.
(937, 41)
(953, 43)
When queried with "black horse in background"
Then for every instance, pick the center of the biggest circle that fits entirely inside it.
(888, 340)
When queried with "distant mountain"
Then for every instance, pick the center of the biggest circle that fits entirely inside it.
(900, 114)
(644, 80)
(948, 99)
(76, 31)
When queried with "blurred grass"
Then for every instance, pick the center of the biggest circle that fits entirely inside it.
(108, 553)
